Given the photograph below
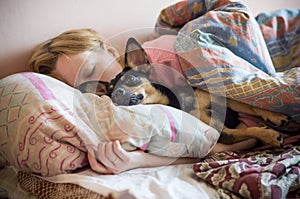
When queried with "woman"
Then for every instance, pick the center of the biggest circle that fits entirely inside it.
(79, 55)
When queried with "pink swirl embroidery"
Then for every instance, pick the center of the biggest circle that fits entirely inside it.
(61, 165)
(48, 140)
(22, 144)
(56, 109)
(47, 167)
(32, 139)
(60, 113)
(69, 127)
(38, 165)
(66, 138)
(49, 120)
(53, 109)
(70, 149)
(72, 164)
(52, 153)
(32, 119)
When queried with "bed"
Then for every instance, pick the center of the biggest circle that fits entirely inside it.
(269, 79)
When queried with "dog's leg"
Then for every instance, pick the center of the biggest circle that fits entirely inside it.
(277, 119)
(203, 109)
(264, 134)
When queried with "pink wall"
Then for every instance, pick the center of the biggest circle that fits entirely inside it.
(24, 24)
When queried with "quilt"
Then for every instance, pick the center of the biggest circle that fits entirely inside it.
(224, 49)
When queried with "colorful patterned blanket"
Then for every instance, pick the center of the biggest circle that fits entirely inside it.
(257, 174)
(224, 49)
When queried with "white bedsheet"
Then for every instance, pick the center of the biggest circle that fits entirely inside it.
(161, 182)
(168, 182)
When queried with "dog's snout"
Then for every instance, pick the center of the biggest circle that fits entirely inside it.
(122, 96)
(120, 91)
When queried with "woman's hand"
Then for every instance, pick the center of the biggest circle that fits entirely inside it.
(112, 158)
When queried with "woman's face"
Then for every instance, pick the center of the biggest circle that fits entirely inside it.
(78, 68)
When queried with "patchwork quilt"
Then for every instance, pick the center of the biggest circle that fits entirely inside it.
(224, 49)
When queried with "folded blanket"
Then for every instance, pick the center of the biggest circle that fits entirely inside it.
(46, 126)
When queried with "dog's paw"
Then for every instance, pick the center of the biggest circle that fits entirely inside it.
(273, 137)
(276, 119)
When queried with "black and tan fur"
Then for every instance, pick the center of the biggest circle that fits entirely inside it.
(132, 86)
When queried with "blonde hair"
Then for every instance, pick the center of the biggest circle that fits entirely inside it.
(45, 55)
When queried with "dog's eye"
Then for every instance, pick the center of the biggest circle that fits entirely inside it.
(131, 80)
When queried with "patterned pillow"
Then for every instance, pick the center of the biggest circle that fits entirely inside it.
(47, 126)
(38, 133)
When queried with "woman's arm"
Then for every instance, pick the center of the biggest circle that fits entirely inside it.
(112, 159)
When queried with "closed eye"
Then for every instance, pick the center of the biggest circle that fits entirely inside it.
(89, 70)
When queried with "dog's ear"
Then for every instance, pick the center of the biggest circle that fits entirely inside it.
(97, 87)
(136, 57)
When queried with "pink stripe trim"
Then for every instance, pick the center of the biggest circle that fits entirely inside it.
(144, 146)
(172, 124)
(41, 87)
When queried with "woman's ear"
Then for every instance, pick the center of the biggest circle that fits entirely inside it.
(45, 70)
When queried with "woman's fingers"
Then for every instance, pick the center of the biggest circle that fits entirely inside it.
(97, 166)
(106, 156)
(110, 153)
(112, 158)
(120, 152)
(100, 160)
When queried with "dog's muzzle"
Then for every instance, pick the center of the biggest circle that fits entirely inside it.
(124, 97)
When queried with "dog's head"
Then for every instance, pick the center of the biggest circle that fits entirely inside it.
(133, 86)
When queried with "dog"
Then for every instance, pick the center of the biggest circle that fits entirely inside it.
(132, 86)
